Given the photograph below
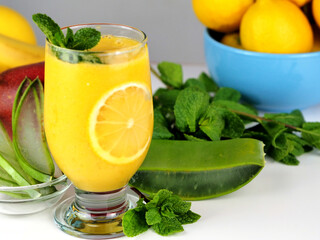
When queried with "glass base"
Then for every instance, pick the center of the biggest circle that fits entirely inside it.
(94, 215)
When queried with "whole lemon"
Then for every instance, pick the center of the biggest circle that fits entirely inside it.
(221, 15)
(300, 3)
(232, 40)
(316, 11)
(276, 26)
(14, 25)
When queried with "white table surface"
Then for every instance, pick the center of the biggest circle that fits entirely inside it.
(281, 203)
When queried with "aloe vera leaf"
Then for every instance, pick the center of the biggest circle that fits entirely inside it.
(27, 136)
(199, 170)
(16, 175)
(23, 86)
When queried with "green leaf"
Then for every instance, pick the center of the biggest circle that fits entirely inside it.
(209, 83)
(167, 226)
(295, 118)
(226, 93)
(300, 146)
(165, 98)
(311, 133)
(188, 217)
(233, 125)
(193, 82)
(86, 38)
(153, 216)
(193, 138)
(234, 106)
(69, 41)
(290, 160)
(190, 105)
(177, 205)
(212, 123)
(160, 129)
(134, 222)
(171, 74)
(50, 28)
(158, 198)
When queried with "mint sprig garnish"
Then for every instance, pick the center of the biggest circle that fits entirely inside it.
(83, 39)
(198, 110)
(165, 213)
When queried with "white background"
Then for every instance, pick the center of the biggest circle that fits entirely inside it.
(173, 31)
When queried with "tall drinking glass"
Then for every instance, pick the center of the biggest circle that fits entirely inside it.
(98, 120)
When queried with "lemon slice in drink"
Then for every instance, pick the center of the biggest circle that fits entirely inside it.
(121, 123)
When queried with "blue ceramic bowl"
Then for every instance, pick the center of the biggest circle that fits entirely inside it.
(271, 82)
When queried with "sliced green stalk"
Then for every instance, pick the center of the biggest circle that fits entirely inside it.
(15, 173)
(22, 88)
(28, 135)
(5, 142)
(7, 151)
(199, 170)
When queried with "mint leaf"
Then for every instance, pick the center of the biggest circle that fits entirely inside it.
(153, 216)
(171, 74)
(86, 38)
(177, 205)
(295, 118)
(165, 98)
(50, 28)
(311, 133)
(212, 123)
(190, 105)
(167, 226)
(69, 40)
(83, 39)
(164, 213)
(160, 129)
(233, 125)
(188, 217)
(158, 198)
(209, 83)
(193, 82)
(134, 222)
(226, 93)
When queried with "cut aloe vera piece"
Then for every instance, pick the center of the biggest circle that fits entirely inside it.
(28, 134)
(5, 142)
(17, 174)
(22, 88)
(199, 170)
(6, 150)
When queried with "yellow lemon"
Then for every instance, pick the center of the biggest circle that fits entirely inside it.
(221, 15)
(300, 3)
(316, 11)
(119, 125)
(276, 26)
(16, 26)
(232, 40)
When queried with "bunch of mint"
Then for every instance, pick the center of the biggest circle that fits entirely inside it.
(83, 39)
(165, 213)
(199, 110)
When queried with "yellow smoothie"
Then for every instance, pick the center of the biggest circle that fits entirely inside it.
(98, 116)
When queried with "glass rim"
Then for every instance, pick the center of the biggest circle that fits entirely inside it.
(117, 52)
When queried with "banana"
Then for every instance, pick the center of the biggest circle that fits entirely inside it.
(14, 53)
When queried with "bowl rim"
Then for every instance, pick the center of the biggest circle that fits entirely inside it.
(35, 186)
(259, 54)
